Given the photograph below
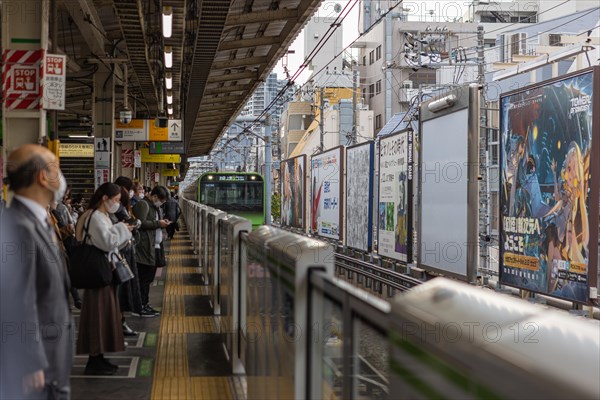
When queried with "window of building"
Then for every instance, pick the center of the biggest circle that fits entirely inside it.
(423, 77)
(371, 90)
(494, 147)
(554, 39)
(378, 52)
(378, 87)
(364, 60)
(371, 57)
(378, 121)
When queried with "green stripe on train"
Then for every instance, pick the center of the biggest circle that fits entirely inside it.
(452, 375)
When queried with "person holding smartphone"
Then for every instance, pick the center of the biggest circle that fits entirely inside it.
(148, 247)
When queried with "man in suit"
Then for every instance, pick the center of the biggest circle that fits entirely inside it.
(37, 329)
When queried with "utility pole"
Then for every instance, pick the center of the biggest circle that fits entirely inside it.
(268, 162)
(321, 115)
(484, 210)
(354, 103)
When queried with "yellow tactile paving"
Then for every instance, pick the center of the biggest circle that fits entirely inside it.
(187, 290)
(211, 387)
(190, 325)
(172, 379)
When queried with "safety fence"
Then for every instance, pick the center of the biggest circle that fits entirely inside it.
(294, 330)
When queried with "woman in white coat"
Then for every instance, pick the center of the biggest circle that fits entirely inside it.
(100, 323)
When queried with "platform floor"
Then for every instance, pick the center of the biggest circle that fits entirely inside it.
(179, 355)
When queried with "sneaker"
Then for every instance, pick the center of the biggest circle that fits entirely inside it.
(152, 310)
(127, 331)
(145, 313)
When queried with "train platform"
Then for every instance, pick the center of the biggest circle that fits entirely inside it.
(270, 314)
(177, 355)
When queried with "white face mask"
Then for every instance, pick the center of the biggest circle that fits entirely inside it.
(112, 208)
(62, 188)
(131, 194)
(158, 203)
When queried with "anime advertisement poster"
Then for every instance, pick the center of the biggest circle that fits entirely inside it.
(326, 193)
(359, 196)
(395, 193)
(292, 192)
(547, 233)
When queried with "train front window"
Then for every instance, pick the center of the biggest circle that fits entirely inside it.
(228, 196)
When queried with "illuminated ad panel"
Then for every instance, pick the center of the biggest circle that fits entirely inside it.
(293, 181)
(394, 219)
(549, 187)
(359, 196)
(444, 191)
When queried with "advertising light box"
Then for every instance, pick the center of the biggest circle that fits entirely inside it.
(549, 192)
(293, 189)
(359, 196)
(326, 190)
(394, 210)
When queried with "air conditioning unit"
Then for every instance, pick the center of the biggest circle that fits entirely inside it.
(407, 84)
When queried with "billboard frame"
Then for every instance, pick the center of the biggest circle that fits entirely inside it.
(304, 201)
(593, 269)
(342, 225)
(410, 148)
(371, 144)
(467, 97)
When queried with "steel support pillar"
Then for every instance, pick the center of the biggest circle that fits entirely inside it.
(103, 116)
(25, 26)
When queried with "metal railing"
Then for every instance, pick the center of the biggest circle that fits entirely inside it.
(296, 331)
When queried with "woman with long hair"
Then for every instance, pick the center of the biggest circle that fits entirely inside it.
(100, 328)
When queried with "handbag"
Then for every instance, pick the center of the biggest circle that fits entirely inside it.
(121, 270)
(90, 268)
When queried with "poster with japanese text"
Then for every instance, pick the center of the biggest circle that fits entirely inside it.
(395, 194)
(326, 193)
(359, 196)
(548, 191)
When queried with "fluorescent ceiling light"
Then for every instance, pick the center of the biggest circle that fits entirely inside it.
(167, 21)
(168, 57)
(169, 81)
(169, 98)
(170, 110)
(80, 136)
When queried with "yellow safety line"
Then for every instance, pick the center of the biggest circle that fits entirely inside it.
(171, 374)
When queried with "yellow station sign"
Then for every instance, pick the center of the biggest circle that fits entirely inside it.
(71, 150)
(170, 172)
(160, 158)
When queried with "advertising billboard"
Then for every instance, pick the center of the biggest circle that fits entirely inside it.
(326, 201)
(293, 182)
(549, 187)
(359, 196)
(395, 196)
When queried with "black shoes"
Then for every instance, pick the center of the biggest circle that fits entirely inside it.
(127, 331)
(147, 312)
(77, 304)
(98, 365)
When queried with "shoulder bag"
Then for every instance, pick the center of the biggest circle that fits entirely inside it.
(90, 268)
(121, 270)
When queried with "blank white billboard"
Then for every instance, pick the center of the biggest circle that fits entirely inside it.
(443, 202)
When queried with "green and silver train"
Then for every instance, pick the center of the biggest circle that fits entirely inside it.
(238, 193)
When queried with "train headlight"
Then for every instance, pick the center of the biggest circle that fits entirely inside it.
(210, 177)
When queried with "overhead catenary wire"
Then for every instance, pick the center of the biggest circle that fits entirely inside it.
(291, 81)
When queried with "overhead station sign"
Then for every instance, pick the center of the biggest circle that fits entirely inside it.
(135, 131)
(144, 130)
(167, 148)
(160, 158)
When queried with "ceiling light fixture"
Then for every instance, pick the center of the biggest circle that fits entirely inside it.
(168, 57)
(169, 98)
(170, 110)
(169, 81)
(167, 21)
